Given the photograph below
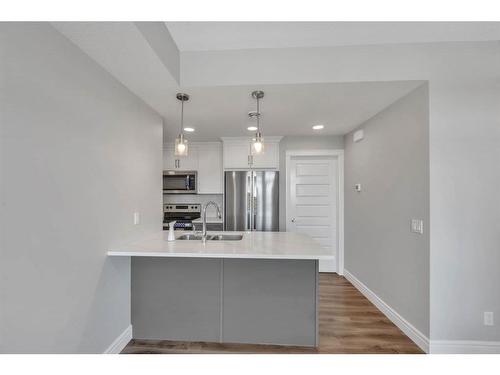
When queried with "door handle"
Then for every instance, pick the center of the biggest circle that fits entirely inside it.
(249, 211)
(293, 220)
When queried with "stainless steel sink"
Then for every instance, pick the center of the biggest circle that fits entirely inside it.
(211, 237)
(190, 237)
(226, 237)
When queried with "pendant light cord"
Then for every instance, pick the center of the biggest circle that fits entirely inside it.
(258, 115)
(182, 117)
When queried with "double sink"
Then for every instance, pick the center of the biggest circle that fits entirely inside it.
(211, 237)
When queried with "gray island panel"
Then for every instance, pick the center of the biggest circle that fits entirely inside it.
(261, 301)
(176, 298)
(270, 301)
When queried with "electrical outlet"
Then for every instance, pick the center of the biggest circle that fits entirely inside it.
(417, 226)
(137, 218)
(488, 318)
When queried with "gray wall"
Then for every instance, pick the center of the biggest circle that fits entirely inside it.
(392, 165)
(79, 154)
(464, 137)
(318, 142)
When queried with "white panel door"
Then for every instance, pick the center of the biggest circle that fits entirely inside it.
(312, 202)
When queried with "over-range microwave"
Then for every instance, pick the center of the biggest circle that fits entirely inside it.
(180, 182)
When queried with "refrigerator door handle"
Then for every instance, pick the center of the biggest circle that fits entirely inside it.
(255, 213)
(249, 201)
(249, 210)
(254, 208)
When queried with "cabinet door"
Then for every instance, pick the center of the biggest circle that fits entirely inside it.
(210, 168)
(270, 157)
(169, 158)
(182, 163)
(189, 162)
(236, 154)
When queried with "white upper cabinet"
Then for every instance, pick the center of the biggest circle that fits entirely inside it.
(210, 168)
(237, 155)
(271, 156)
(181, 163)
(203, 157)
(169, 160)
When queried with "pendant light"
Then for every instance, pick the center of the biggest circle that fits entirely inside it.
(258, 141)
(181, 144)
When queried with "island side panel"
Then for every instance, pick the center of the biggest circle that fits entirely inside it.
(176, 298)
(270, 301)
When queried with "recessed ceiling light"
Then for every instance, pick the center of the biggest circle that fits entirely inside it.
(252, 128)
(318, 127)
(189, 130)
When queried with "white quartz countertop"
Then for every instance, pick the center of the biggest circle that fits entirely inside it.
(254, 245)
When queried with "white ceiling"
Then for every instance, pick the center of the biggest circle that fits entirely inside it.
(217, 111)
(286, 109)
(205, 36)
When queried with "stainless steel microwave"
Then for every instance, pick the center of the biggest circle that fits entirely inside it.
(180, 182)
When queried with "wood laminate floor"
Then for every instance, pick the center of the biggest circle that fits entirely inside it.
(348, 323)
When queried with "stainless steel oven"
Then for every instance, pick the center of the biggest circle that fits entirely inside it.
(180, 182)
(182, 214)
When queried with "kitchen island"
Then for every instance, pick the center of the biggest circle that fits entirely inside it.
(262, 289)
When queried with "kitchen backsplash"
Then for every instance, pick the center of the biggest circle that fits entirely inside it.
(196, 198)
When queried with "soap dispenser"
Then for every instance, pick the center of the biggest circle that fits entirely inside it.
(171, 235)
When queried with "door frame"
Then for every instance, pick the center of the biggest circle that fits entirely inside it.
(334, 153)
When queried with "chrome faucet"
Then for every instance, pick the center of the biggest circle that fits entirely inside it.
(204, 230)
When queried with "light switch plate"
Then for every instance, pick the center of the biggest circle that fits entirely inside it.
(137, 218)
(417, 226)
(488, 318)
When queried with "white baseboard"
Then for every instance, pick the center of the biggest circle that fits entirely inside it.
(414, 334)
(120, 342)
(464, 347)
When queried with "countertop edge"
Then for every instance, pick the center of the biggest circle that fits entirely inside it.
(218, 256)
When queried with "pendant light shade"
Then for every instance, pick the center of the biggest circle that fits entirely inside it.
(181, 143)
(258, 140)
(258, 144)
(181, 146)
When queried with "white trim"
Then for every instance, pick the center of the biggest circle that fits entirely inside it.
(120, 342)
(339, 256)
(464, 347)
(167, 145)
(274, 138)
(409, 330)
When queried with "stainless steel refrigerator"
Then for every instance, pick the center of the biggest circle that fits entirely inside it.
(251, 200)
